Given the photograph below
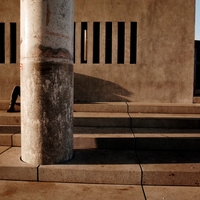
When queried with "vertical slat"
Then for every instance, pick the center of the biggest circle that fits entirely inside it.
(114, 42)
(102, 42)
(18, 43)
(127, 43)
(85, 45)
(78, 43)
(7, 42)
(90, 43)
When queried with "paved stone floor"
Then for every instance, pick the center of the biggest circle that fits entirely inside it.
(22, 190)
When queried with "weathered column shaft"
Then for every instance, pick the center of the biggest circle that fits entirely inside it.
(47, 80)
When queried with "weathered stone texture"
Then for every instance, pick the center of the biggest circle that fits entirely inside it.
(47, 81)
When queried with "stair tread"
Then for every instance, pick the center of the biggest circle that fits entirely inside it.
(3, 113)
(147, 167)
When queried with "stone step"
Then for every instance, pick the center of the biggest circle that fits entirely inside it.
(166, 139)
(88, 166)
(130, 107)
(165, 108)
(108, 166)
(119, 138)
(9, 118)
(134, 120)
(97, 119)
(5, 103)
(84, 137)
(154, 120)
(140, 107)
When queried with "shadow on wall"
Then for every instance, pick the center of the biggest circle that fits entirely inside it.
(91, 89)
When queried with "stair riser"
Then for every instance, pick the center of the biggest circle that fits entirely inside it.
(10, 120)
(122, 122)
(79, 143)
(191, 144)
(166, 123)
(102, 122)
(118, 143)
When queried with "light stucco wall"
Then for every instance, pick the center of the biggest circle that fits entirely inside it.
(164, 69)
(165, 52)
(10, 73)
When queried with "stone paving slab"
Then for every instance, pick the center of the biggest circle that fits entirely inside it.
(18, 190)
(170, 167)
(12, 168)
(95, 166)
(171, 193)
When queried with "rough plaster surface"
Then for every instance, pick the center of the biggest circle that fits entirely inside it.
(165, 51)
(10, 73)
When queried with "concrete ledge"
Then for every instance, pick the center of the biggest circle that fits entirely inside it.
(170, 167)
(9, 118)
(135, 120)
(116, 107)
(7, 133)
(12, 168)
(120, 107)
(129, 107)
(196, 100)
(95, 166)
(16, 140)
(101, 119)
(147, 120)
(87, 138)
(103, 138)
(6, 139)
(165, 108)
(10, 129)
(103, 166)
(125, 138)
(5, 103)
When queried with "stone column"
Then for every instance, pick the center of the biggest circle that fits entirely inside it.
(47, 80)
